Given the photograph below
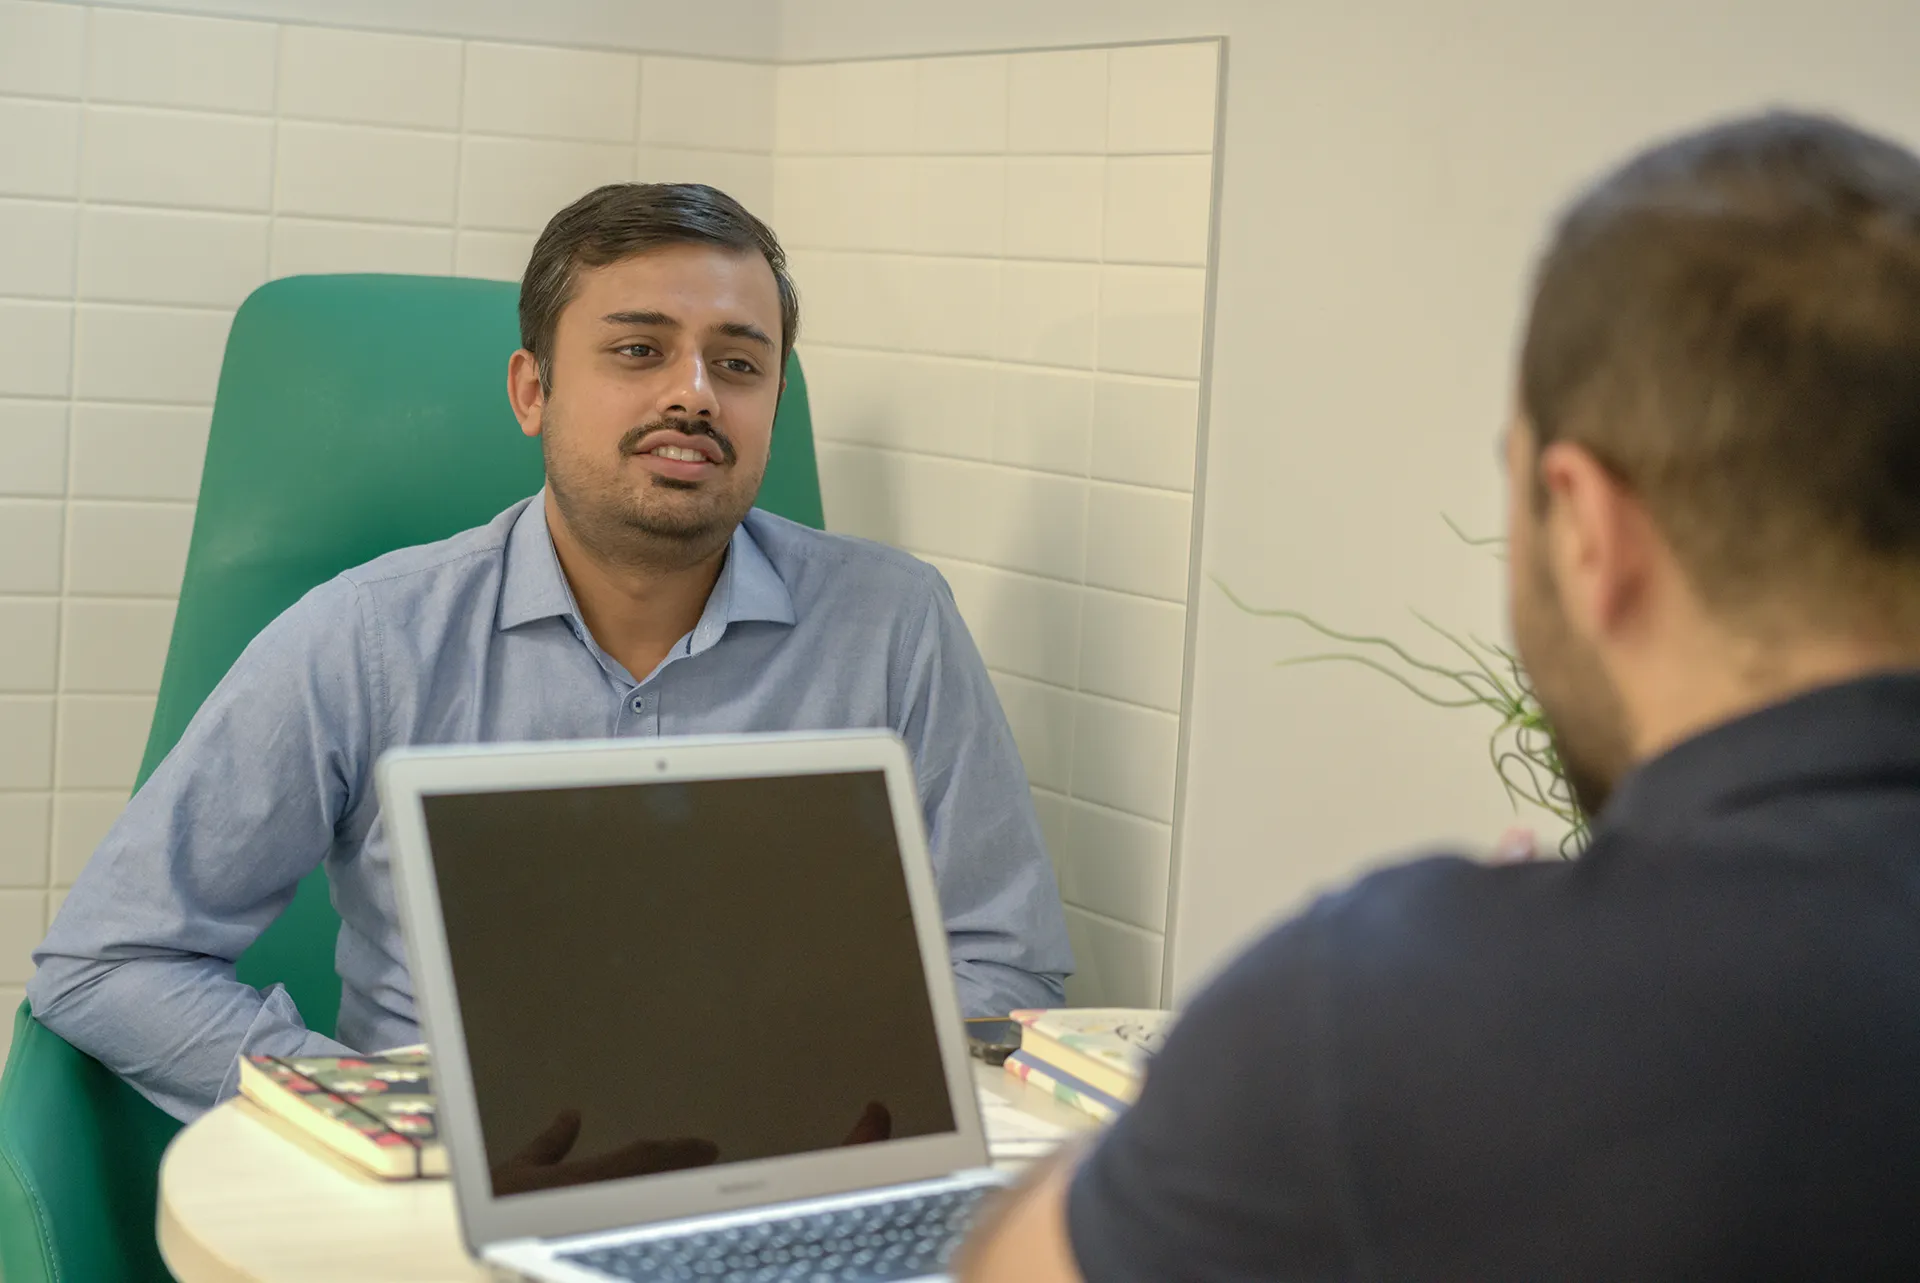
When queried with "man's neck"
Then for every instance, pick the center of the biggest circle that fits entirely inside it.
(635, 609)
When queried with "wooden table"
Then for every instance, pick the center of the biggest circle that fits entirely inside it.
(245, 1200)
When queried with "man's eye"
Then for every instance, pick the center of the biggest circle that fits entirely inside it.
(739, 366)
(636, 349)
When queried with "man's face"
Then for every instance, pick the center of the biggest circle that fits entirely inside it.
(659, 416)
(1582, 704)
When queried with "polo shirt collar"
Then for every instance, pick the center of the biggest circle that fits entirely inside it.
(1850, 734)
(534, 587)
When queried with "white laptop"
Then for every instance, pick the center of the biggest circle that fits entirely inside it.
(690, 1007)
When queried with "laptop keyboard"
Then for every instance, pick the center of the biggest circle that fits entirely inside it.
(904, 1239)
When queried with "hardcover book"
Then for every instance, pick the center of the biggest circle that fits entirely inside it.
(377, 1110)
(1064, 1087)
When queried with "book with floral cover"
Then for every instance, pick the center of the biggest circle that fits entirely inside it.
(375, 1110)
(1106, 1047)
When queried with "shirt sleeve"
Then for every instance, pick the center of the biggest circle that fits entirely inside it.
(1005, 928)
(1228, 1166)
(137, 969)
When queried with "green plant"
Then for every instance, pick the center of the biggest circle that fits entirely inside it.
(1520, 747)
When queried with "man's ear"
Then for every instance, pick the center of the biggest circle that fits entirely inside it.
(525, 393)
(1598, 536)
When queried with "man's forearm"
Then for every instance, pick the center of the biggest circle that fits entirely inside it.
(173, 1027)
(1021, 1236)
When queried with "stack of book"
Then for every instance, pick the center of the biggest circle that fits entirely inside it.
(1093, 1058)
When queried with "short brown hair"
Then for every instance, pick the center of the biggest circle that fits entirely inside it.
(623, 219)
(1730, 323)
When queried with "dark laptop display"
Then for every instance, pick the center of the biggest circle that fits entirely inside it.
(659, 976)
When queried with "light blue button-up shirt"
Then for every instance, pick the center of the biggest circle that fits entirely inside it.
(477, 639)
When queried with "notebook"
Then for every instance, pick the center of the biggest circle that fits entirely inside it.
(731, 954)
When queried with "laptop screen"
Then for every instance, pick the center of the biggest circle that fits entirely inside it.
(654, 977)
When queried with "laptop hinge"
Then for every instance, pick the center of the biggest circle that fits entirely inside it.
(771, 1211)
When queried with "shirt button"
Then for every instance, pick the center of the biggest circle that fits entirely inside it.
(639, 703)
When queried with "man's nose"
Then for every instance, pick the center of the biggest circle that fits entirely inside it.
(690, 395)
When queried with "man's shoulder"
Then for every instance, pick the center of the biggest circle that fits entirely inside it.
(1409, 926)
(1433, 896)
(819, 566)
(475, 551)
(397, 584)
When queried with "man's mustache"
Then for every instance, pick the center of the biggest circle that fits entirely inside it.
(632, 442)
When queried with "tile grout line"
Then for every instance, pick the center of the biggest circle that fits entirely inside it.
(1084, 695)
(639, 94)
(842, 345)
(1068, 858)
(1092, 805)
(273, 156)
(235, 212)
(1022, 469)
(104, 400)
(420, 33)
(119, 304)
(90, 599)
(925, 553)
(375, 126)
(932, 558)
(1109, 920)
(1017, 260)
(1086, 530)
(459, 161)
(54, 773)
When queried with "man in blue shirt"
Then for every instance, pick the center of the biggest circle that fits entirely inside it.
(637, 595)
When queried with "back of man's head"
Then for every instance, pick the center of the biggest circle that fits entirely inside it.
(1730, 323)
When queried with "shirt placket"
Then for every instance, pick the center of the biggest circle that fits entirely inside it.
(639, 715)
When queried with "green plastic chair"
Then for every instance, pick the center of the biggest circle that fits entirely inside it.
(355, 415)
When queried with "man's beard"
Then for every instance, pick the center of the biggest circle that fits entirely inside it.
(1585, 716)
(666, 522)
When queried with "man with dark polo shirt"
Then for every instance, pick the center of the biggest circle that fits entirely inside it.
(1694, 1052)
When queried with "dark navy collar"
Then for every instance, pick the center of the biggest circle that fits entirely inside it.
(1854, 732)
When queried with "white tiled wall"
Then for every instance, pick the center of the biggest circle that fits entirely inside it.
(153, 170)
(1002, 261)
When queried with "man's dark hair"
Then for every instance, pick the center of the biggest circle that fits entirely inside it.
(1730, 323)
(623, 219)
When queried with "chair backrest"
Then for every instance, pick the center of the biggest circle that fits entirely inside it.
(355, 415)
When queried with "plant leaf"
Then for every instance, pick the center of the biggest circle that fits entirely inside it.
(1473, 541)
(1366, 661)
(1353, 639)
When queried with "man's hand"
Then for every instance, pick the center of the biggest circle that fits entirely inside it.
(543, 1164)
(1022, 1234)
(1516, 846)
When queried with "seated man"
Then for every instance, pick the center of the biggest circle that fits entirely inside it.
(1694, 1051)
(637, 595)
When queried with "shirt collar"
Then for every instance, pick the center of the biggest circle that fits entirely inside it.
(1851, 733)
(534, 587)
